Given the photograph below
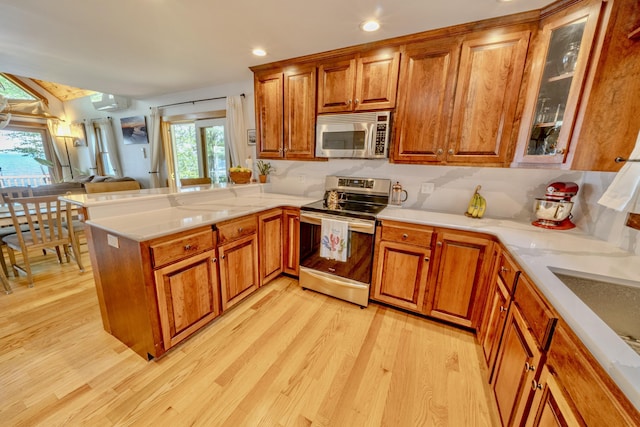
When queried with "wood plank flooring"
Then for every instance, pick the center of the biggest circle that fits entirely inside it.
(283, 357)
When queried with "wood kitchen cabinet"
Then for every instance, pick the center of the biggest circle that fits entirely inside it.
(291, 236)
(575, 390)
(362, 82)
(460, 272)
(499, 301)
(460, 111)
(270, 229)
(238, 259)
(527, 334)
(285, 112)
(566, 46)
(426, 89)
(155, 293)
(401, 265)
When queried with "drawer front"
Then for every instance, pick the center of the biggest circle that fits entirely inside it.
(540, 318)
(236, 228)
(508, 271)
(181, 247)
(407, 233)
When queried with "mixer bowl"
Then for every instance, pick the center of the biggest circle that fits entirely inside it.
(552, 210)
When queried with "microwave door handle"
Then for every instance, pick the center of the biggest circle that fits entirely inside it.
(371, 140)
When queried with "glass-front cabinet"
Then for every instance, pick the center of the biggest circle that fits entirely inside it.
(557, 83)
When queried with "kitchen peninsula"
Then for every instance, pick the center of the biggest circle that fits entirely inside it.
(151, 223)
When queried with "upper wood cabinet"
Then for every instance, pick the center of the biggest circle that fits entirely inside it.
(285, 112)
(559, 64)
(484, 110)
(363, 82)
(425, 100)
(460, 111)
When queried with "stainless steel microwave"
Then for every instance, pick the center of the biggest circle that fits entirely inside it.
(355, 135)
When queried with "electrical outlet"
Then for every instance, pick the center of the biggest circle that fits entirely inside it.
(427, 187)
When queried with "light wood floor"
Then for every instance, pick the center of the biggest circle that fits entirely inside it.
(283, 357)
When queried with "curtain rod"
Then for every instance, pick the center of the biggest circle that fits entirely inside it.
(193, 102)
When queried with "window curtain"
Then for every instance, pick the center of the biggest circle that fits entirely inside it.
(58, 158)
(106, 127)
(236, 135)
(155, 146)
(92, 144)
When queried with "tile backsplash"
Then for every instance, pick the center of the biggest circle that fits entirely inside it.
(510, 192)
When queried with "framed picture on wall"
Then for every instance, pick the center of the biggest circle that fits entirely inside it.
(251, 137)
(134, 130)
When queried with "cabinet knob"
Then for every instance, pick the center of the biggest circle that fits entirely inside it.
(190, 248)
(214, 260)
(450, 151)
(535, 385)
(222, 256)
(357, 101)
(560, 151)
(239, 229)
(286, 149)
(502, 309)
(528, 367)
(426, 259)
(348, 102)
(503, 269)
(405, 236)
(439, 244)
(440, 151)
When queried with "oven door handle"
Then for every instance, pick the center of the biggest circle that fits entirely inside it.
(355, 225)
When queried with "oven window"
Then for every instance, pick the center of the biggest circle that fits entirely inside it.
(359, 260)
(346, 140)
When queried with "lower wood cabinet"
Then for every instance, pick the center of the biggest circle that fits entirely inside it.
(401, 265)
(291, 236)
(270, 230)
(550, 406)
(462, 267)
(188, 298)
(518, 359)
(238, 270)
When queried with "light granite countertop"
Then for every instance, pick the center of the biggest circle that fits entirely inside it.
(144, 216)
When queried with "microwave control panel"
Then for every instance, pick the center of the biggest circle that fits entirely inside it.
(382, 134)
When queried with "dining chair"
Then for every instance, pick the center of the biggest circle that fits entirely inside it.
(109, 186)
(194, 181)
(45, 216)
(15, 191)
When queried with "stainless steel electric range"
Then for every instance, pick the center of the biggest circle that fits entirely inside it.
(337, 237)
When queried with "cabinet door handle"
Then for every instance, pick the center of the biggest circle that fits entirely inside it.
(190, 248)
(440, 151)
(439, 244)
(426, 259)
(503, 269)
(528, 367)
(214, 260)
(502, 309)
(357, 101)
(450, 151)
(535, 385)
(222, 256)
(348, 102)
(240, 230)
(405, 236)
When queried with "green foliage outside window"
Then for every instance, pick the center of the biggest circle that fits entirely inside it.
(12, 91)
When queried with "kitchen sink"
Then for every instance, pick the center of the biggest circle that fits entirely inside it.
(616, 302)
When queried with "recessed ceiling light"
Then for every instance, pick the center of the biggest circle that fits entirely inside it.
(259, 52)
(370, 26)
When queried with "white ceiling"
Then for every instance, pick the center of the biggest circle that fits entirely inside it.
(146, 48)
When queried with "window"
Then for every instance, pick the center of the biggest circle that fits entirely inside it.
(199, 149)
(11, 90)
(24, 156)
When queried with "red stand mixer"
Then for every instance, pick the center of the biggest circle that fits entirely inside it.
(554, 210)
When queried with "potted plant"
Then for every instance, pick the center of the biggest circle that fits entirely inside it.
(264, 169)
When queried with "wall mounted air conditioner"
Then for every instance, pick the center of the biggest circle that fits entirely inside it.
(108, 102)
